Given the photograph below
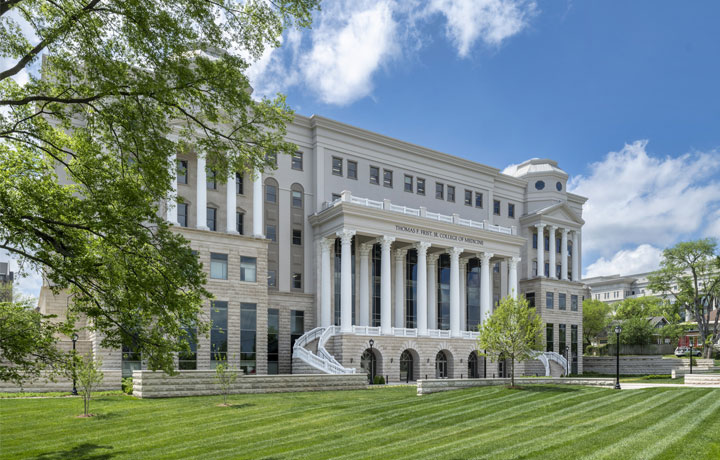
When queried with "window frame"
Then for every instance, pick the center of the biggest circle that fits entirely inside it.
(549, 300)
(451, 193)
(247, 259)
(210, 178)
(240, 222)
(239, 184)
(275, 193)
(184, 207)
(182, 165)
(296, 279)
(418, 181)
(480, 195)
(410, 184)
(375, 178)
(212, 227)
(354, 169)
(439, 191)
(292, 199)
(497, 207)
(385, 177)
(511, 210)
(215, 259)
(299, 237)
(296, 162)
(468, 197)
(336, 172)
(274, 232)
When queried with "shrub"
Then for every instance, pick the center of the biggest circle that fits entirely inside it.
(379, 380)
(127, 385)
(89, 378)
(225, 376)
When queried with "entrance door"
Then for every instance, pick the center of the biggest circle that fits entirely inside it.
(406, 366)
(441, 366)
(501, 369)
(368, 362)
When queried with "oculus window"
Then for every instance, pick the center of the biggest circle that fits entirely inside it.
(539, 185)
(558, 186)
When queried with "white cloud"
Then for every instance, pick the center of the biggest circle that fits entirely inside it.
(635, 198)
(713, 227)
(644, 258)
(27, 282)
(491, 21)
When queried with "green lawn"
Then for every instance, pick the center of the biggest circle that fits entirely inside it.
(536, 422)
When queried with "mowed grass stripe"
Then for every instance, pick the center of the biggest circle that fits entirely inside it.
(496, 433)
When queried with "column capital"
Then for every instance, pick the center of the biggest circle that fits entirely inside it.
(463, 261)
(345, 235)
(540, 226)
(455, 252)
(514, 261)
(386, 241)
(422, 246)
(365, 249)
(565, 231)
(326, 243)
(485, 256)
(432, 258)
(553, 228)
(400, 254)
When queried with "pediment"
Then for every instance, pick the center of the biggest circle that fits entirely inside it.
(560, 212)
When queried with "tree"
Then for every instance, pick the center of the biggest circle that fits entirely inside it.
(596, 315)
(690, 273)
(28, 342)
(88, 146)
(635, 331)
(646, 307)
(513, 331)
(89, 377)
(225, 376)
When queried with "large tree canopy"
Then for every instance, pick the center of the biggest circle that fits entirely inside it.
(86, 145)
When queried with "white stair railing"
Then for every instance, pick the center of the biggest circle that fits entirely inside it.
(323, 360)
(546, 357)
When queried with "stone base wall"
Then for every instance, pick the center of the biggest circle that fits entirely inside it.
(425, 387)
(641, 365)
(148, 384)
(704, 379)
(111, 381)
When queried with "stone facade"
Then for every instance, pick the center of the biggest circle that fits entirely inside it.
(425, 387)
(642, 365)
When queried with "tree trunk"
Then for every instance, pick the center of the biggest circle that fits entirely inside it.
(512, 371)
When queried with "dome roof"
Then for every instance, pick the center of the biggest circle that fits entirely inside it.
(534, 166)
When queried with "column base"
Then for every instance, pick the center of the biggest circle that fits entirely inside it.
(232, 232)
(203, 227)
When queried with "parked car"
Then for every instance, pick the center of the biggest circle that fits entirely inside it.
(685, 351)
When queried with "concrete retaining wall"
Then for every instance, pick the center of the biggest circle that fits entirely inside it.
(148, 384)
(702, 379)
(425, 387)
(111, 381)
(641, 365)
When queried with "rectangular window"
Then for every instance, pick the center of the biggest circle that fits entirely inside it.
(420, 186)
(211, 218)
(511, 210)
(239, 222)
(271, 232)
(496, 207)
(337, 167)
(374, 175)
(549, 300)
(271, 158)
(248, 336)
(468, 197)
(573, 302)
(270, 193)
(535, 240)
(408, 183)
(239, 186)
(187, 360)
(534, 269)
(549, 337)
(297, 237)
(352, 169)
(546, 239)
(561, 301)
(297, 161)
(558, 245)
(211, 180)
(439, 191)
(562, 332)
(218, 266)
(387, 178)
(297, 199)
(248, 269)
(273, 348)
(182, 171)
(297, 280)
(272, 278)
(218, 331)
(547, 269)
(297, 326)
(530, 296)
(182, 214)
(558, 271)
(451, 193)
(478, 200)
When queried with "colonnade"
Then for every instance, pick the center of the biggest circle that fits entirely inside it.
(552, 252)
(426, 297)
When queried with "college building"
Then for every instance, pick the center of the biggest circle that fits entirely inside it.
(363, 253)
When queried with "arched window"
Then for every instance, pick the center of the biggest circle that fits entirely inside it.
(271, 190)
(473, 366)
(406, 366)
(297, 196)
(441, 365)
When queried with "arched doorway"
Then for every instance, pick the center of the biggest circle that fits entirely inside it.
(368, 362)
(441, 365)
(407, 364)
(473, 366)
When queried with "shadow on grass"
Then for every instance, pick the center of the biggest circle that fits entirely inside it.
(85, 451)
(546, 389)
(241, 406)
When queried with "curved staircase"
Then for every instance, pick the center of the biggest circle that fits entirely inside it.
(551, 356)
(310, 350)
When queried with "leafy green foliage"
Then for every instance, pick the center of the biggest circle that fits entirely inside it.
(511, 332)
(127, 385)
(225, 376)
(596, 315)
(635, 331)
(89, 377)
(87, 151)
(379, 380)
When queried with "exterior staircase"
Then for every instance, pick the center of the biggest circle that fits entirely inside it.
(311, 357)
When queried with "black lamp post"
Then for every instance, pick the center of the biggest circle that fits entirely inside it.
(690, 342)
(485, 365)
(371, 342)
(567, 361)
(74, 341)
(618, 330)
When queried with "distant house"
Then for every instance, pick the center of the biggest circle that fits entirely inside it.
(6, 282)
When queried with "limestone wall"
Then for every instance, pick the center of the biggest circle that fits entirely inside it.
(640, 365)
(111, 381)
(148, 384)
(702, 379)
(425, 387)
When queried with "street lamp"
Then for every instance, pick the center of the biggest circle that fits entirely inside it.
(371, 342)
(567, 361)
(74, 341)
(485, 364)
(618, 330)
(690, 342)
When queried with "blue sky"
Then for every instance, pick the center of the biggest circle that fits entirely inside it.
(624, 95)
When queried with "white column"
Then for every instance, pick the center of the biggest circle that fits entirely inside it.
(422, 288)
(231, 202)
(346, 280)
(365, 249)
(325, 282)
(171, 202)
(512, 275)
(552, 249)
(576, 256)
(201, 191)
(463, 294)
(455, 291)
(258, 206)
(432, 291)
(541, 250)
(485, 288)
(400, 287)
(564, 254)
(385, 286)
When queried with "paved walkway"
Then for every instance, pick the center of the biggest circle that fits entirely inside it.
(639, 386)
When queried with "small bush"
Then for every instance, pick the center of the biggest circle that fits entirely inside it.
(127, 385)
(379, 380)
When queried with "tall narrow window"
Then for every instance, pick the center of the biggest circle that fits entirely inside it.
(297, 199)
(352, 169)
(374, 175)
(297, 280)
(297, 237)
(387, 178)
(211, 180)
(511, 210)
(530, 297)
(549, 300)
(496, 207)
(273, 342)
(297, 326)
(182, 214)
(468, 198)
(248, 269)
(239, 186)
(574, 341)
(478, 200)
(297, 161)
(272, 278)
(562, 332)
(411, 262)
(248, 337)
(218, 266)
(549, 337)
(535, 240)
(439, 191)
(561, 301)
(271, 232)
(187, 360)
(239, 222)
(443, 294)
(408, 187)
(218, 331)
(182, 172)
(376, 267)
(337, 166)
(451, 193)
(473, 294)
(270, 193)
(574, 302)
(211, 218)
(420, 186)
